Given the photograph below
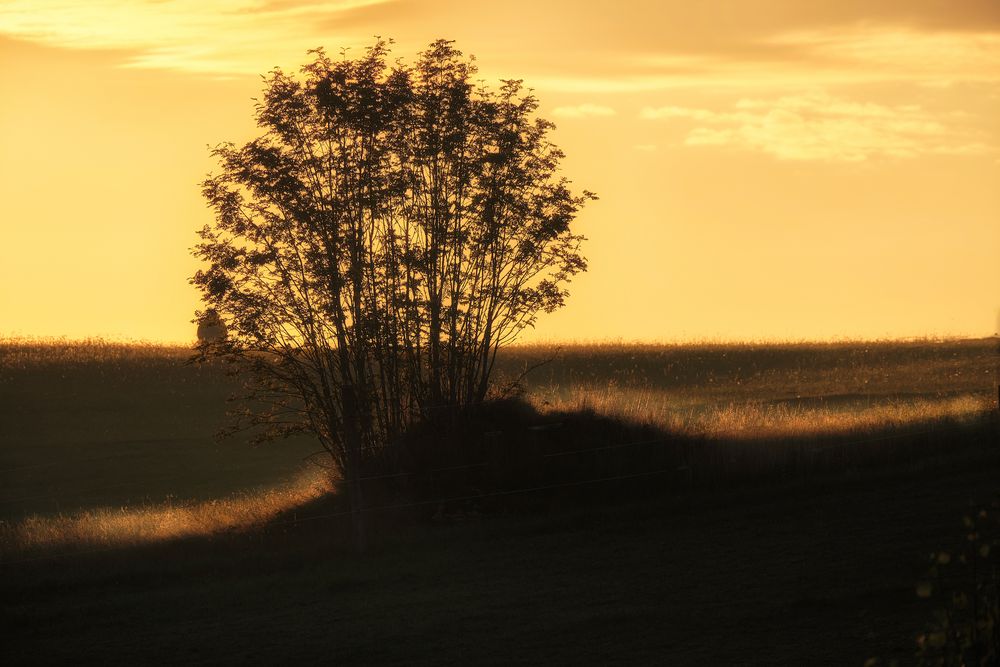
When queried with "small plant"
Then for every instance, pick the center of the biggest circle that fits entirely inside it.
(965, 631)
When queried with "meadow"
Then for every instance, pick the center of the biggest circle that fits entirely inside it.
(755, 390)
(816, 478)
(99, 424)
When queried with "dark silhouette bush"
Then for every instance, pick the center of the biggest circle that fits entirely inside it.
(966, 583)
(392, 228)
(505, 455)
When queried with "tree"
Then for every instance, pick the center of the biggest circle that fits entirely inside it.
(388, 232)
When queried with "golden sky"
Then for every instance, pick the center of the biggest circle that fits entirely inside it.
(768, 169)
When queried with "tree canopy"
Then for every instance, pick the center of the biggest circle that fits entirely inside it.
(392, 227)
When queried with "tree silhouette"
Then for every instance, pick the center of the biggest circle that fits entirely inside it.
(389, 231)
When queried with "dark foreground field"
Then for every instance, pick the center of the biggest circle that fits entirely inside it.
(819, 573)
(810, 566)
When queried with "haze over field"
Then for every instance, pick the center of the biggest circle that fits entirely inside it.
(767, 169)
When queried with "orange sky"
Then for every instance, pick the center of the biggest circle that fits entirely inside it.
(768, 169)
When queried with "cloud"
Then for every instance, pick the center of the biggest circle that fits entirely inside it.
(661, 113)
(830, 56)
(904, 54)
(818, 126)
(190, 35)
(584, 111)
(635, 47)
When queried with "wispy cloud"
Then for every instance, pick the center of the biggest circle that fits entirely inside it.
(192, 35)
(818, 126)
(902, 51)
(904, 54)
(827, 57)
(654, 47)
(584, 111)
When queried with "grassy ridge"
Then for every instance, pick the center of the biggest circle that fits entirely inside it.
(768, 372)
(758, 391)
(97, 424)
(814, 567)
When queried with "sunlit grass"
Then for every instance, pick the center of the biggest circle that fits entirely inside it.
(743, 392)
(677, 412)
(132, 525)
(20, 352)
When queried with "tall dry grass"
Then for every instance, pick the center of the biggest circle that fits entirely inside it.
(21, 353)
(740, 392)
(128, 526)
(755, 371)
(756, 419)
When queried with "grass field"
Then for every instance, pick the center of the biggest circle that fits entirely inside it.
(754, 390)
(106, 425)
(132, 536)
(99, 425)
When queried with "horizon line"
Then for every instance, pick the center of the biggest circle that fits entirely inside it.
(122, 341)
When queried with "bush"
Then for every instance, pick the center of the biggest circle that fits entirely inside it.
(505, 455)
(965, 581)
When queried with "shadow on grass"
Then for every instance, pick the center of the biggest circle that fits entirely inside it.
(550, 553)
(508, 458)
